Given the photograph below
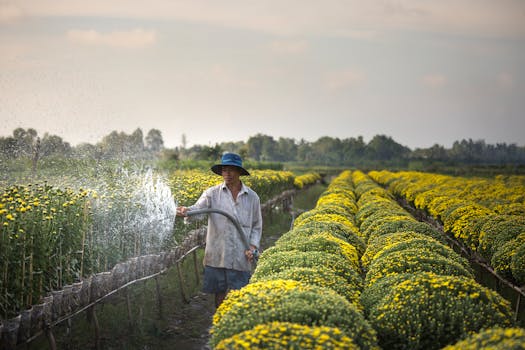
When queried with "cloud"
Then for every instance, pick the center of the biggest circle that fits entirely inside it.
(343, 79)
(434, 80)
(136, 38)
(289, 46)
(294, 17)
(225, 77)
(505, 80)
(9, 12)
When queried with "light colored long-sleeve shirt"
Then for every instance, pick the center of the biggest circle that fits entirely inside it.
(224, 246)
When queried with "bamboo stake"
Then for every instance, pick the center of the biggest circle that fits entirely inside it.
(181, 281)
(30, 296)
(196, 265)
(159, 297)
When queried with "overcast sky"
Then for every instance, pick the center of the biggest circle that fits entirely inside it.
(423, 72)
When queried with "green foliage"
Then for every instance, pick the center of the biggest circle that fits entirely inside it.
(428, 311)
(289, 301)
(496, 338)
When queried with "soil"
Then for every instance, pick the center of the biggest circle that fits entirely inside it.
(190, 325)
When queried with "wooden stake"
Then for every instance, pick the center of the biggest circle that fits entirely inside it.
(181, 282)
(159, 297)
(196, 265)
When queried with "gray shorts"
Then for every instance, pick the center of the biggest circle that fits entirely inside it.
(221, 280)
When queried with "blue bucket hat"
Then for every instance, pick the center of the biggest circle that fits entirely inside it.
(232, 159)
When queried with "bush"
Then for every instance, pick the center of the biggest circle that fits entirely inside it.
(287, 335)
(424, 245)
(319, 242)
(502, 259)
(494, 234)
(517, 265)
(320, 217)
(405, 226)
(459, 219)
(322, 277)
(377, 243)
(326, 209)
(271, 263)
(340, 200)
(369, 226)
(372, 294)
(372, 205)
(492, 339)
(289, 301)
(428, 311)
(336, 229)
(412, 261)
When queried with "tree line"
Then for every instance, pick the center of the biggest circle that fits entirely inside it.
(325, 151)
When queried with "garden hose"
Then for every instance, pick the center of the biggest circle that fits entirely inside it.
(232, 219)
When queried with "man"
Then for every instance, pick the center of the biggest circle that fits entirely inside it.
(227, 261)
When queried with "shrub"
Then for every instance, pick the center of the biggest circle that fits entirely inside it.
(517, 265)
(333, 229)
(341, 199)
(320, 217)
(502, 259)
(492, 339)
(412, 261)
(287, 335)
(326, 209)
(494, 234)
(342, 226)
(458, 220)
(424, 245)
(428, 311)
(372, 294)
(374, 221)
(376, 243)
(353, 235)
(322, 277)
(406, 225)
(320, 242)
(280, 261)
(289, 301)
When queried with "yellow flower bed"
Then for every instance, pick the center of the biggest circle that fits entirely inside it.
(287, 335)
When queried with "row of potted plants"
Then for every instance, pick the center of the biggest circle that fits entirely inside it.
(486, 215)
(419, 293)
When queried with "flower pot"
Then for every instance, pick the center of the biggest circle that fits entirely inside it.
(10, 332)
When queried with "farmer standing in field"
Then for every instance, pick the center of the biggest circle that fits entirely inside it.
(227, 261)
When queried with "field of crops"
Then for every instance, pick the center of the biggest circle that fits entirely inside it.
(52, 236)
(360, 272)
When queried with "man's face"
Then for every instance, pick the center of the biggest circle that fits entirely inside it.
(230, 174)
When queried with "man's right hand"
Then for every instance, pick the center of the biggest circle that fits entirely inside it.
(181, 211)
